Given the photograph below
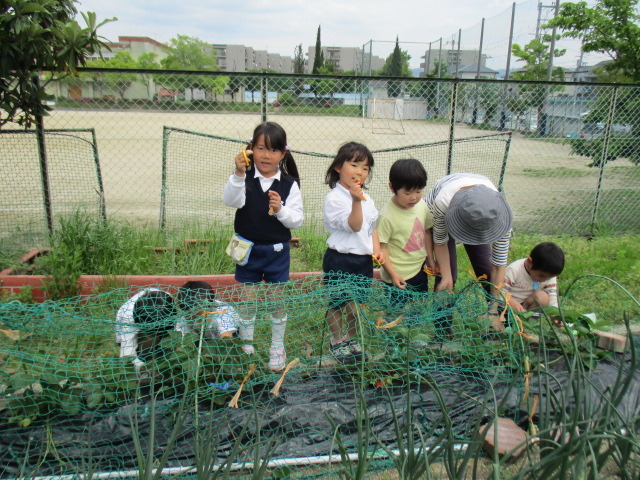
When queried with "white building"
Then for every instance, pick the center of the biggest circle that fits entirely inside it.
(453, 59)
(238, 58)
(345, 59)
(471, 72)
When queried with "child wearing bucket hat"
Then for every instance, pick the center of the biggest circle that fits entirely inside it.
(469, 209)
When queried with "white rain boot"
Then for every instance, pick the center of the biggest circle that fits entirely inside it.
(245, 330)
(277, 354)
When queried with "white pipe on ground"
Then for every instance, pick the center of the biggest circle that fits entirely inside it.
(278, 462)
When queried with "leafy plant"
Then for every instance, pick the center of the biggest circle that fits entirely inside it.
(364, 454)
(149, 466)
(65, 268)
(24, 295)
(582, 430)
(412, 461)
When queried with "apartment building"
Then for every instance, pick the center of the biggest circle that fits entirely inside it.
(345, 59)
(453, 59)
(238, 58)
(234, 58)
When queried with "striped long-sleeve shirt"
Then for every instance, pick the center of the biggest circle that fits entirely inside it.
(438, 200)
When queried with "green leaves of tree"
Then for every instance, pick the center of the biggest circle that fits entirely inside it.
(611, 27)
(39, 35)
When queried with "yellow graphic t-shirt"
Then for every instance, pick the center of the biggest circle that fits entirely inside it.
(403, 230)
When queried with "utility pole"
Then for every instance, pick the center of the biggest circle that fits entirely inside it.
(552, 46)
(542, 121)
(458, 52)
(503, 114)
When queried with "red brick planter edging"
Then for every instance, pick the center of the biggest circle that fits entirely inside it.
(14, 283)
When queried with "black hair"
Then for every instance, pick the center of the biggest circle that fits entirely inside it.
(350, 151)
(276, 138)
(155, 313)
(407, 173)
(547, 257)
(194, 294)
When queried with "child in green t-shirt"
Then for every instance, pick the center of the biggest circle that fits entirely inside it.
(404, 229)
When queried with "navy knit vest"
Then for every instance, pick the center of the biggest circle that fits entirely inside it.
(253, 221)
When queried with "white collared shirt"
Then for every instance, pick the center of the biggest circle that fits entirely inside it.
(224, 320)
(337, 208)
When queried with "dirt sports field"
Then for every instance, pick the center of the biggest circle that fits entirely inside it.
(130, 149)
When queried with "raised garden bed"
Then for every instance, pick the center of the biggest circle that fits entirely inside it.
(13, 281)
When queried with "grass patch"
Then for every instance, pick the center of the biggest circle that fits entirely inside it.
(83, 245)
(628, 173)
(558, 172)
(567, 213)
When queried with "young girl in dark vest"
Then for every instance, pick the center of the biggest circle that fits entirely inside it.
(266, 193)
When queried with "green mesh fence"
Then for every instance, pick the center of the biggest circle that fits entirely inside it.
(186, 195)
(70, 179)
(70, 405)
(555, 180)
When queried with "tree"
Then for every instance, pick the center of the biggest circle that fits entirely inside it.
(396, 65)
(39, 35)
(120, 82)
(190, 53)
(488, 96)
(298, 69)
(298, 60)
(322, 87)
(611, 27)
(234, 86)
(148, 61)
(536, 57)
(439, 70)
(318, 59)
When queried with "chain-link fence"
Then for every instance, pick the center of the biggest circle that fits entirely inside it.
(166, 141)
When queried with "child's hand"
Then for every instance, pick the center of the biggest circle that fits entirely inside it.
(494, 317)
(379, 257)
(446, 283)
(433, 265)
(275, 202)
(517, 306)
(399, 282)
(241, 162)
(356, 190)
(496, 324)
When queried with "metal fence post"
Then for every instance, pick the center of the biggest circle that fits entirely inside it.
(96, 159)
(603, 157)
(452, 123)
(264, 92)
(163, 186)
(44, 174)
(503, 170)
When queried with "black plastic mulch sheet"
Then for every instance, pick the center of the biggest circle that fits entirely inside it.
(295, 423)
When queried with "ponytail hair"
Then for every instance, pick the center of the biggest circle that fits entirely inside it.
(276, 138)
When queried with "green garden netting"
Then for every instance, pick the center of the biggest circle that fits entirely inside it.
(67, 398)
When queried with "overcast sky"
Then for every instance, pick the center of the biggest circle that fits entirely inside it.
(278, 26)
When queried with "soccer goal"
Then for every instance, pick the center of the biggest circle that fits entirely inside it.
(384, 114)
